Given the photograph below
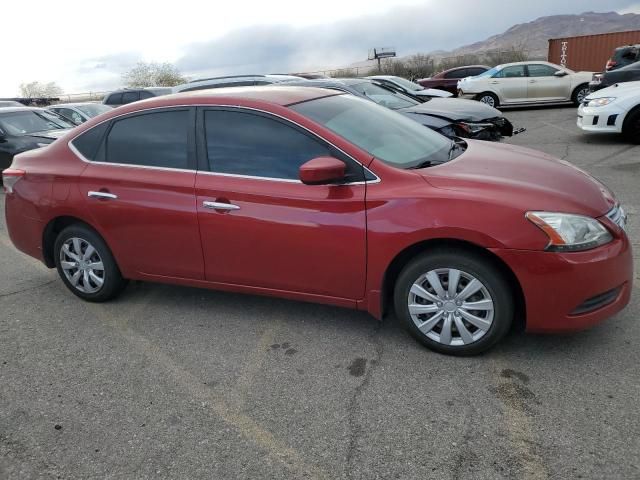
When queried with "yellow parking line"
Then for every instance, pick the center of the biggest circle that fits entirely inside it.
(519, 427)
(207, 398)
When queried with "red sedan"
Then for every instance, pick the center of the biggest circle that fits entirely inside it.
(448, 79)
(314, 195)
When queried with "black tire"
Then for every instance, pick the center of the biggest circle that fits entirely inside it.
(631, 126)
(113, 283)
(496, 102)
(576, 93)
(470, 263)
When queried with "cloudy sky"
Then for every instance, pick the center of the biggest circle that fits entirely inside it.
(86, 45)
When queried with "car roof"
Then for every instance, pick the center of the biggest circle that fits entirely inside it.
(320, 82)
(274, 95)
(21, 109)
(466, 66)
(76, 104)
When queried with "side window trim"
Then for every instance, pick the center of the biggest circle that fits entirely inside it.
(101, 149)
(201, 144)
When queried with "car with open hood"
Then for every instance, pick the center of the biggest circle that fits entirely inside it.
(451, 117)
(311, 194)
(629, 73)
(25, 128)
(522, 83)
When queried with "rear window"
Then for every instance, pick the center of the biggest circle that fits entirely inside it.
(461, 73)
(114, 99)
(128, 97)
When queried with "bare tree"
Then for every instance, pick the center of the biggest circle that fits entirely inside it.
(37, 89)
(153, 75)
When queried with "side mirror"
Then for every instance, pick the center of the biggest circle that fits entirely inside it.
(560, 73)
(322, 171)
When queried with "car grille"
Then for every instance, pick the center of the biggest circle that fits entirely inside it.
(618, 216)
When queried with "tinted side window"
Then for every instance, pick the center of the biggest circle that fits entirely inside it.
(114, 99)
(515, 71)
(158, 139)
(248, 144)
(540, 70)
(88, 142)
(460, 73)
(146, 94)
(472, 72)
(128, 97)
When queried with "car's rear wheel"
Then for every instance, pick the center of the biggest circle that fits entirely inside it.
(454, 301)
(631, 126)
(489, 99)
(580, 93)
(86, 265)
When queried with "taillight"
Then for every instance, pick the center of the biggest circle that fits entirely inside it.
(10, 177)
(610, 64)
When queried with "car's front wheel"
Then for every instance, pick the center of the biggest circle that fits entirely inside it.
(86, 265)
(631, 126)
(454, 301)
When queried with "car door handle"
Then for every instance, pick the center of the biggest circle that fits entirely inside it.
(102, 195)
(495, 83)
(532, 81)
(220, 206)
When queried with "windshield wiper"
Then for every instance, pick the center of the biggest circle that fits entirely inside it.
(426, 163)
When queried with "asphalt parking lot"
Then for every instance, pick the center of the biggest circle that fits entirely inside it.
(172, 382)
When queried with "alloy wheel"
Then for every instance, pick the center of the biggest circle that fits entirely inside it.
(489, 100)
(582, 94)
(82, 265)
(451, 307)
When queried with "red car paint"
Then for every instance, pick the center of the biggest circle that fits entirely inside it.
(326, 243)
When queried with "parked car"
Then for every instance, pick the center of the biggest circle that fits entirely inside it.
(233, 81)
(630, 73)
(10, 103)
(451, 117)
(79, 112)
(614, 109)
(408, 87)
(623, 56)
(448, 79)
(527, 83)
(24, 128)
(129, 95)
(177, 190)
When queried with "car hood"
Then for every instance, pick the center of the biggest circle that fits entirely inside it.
(433, 92)
(617, 90)
(50, 134)
(523, 178)
(455, 109)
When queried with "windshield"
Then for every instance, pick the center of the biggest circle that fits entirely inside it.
(93, 109)
(25, 123)
(383, 96)
(387, 135)
(489, 73)
(407, 84)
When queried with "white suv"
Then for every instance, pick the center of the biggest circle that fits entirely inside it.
(615, 109)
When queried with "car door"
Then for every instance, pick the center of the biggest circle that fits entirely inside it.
(262, 227)
(510, 84)
(543, 85)
(139, 190)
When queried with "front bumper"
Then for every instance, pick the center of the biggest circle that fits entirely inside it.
(607, 119)
(558, 286)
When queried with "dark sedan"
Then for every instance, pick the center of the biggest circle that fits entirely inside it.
(451, 117)
(25, 128)
(448, 79)
(630, 73)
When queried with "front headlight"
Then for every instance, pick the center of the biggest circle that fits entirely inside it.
(600, 102)
(568, 232)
